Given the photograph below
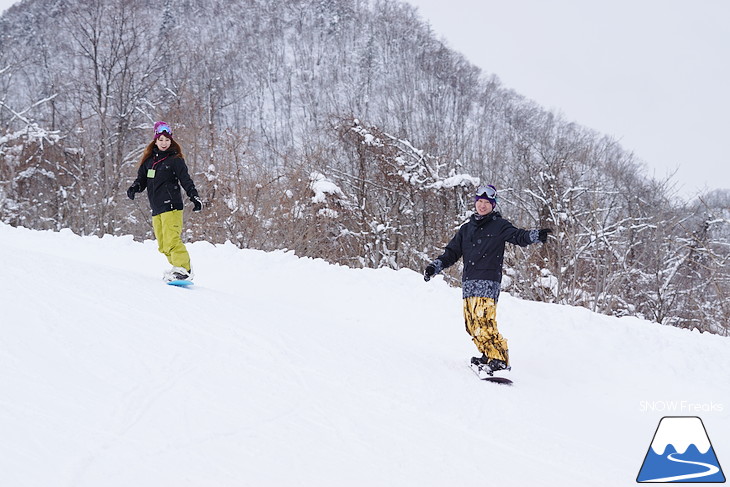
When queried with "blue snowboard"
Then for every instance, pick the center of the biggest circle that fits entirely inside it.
(180, 283)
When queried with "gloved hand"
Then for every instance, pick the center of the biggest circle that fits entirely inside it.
(132, 190)
(197, 203)
(429, 272)
(542, 234)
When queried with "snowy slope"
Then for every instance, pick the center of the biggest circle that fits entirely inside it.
(276, 370)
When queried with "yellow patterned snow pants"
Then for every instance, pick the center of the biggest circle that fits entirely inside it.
(168, 229)
(481, 324)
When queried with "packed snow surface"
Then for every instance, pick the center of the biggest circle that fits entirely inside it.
(275, 370)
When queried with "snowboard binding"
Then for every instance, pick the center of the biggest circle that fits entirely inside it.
(485, 368)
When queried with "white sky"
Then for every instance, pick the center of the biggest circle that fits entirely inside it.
(654, 74)
(4, 4)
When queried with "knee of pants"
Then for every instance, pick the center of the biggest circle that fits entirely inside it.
(170, 245)
(168, 228)
(479, 314)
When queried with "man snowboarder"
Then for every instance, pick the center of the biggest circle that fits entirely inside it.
(481, 242)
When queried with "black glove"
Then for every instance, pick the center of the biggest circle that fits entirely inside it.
(542, 234)
(197, 204)
(429, 272)
(132, 190)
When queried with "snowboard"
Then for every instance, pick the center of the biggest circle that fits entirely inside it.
(489, 378)
(180, 283)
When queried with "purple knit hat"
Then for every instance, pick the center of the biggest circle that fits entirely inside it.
(162, 128)
(488, 192)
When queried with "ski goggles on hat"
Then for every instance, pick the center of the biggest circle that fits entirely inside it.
(162, 128)
(486, 192)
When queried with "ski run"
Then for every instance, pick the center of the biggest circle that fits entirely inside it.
(275, 370)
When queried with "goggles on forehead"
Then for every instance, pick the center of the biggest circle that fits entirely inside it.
(486, 192)
(163, 128)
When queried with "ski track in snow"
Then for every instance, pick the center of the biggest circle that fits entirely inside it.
(277, 370)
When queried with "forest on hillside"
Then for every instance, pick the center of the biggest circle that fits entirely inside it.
(343, 130)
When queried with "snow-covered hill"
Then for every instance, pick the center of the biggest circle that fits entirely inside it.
(275, 370)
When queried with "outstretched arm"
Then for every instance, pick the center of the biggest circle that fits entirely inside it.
(523, 238)
(452, 253)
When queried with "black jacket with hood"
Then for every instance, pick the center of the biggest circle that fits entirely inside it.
(481, 242)
(163, 190)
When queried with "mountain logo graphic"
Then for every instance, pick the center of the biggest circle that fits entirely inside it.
(681, 452)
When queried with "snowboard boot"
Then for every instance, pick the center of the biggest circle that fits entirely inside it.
(490, 366)
(480, 361)
(497, 365)
(178, 274)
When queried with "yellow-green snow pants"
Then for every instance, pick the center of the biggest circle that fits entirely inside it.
(168, 231)
(480, 316)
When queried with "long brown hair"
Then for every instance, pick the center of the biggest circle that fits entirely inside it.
(174, 146)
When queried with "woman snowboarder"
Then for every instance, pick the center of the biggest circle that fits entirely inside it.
(162, 171)
(481, 243)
